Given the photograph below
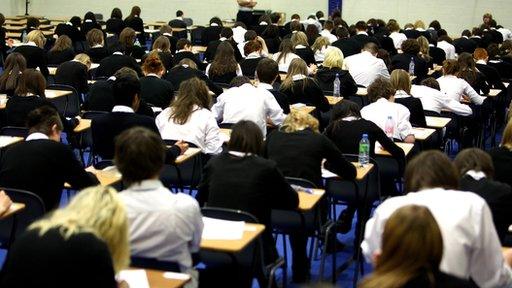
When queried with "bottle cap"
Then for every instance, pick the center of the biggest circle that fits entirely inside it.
(365, 135)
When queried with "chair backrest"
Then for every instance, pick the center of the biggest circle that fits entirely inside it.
(228, 214)
(87, 135)
(14, 131)
(152, 263)
(68, 106)
(196, 35)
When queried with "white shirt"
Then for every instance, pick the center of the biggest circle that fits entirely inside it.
(122, 108)
(37, 136)
(239, 34)
(200, 129)
(238, 70)
(284, 63)
(507, 34)
(456, 87)
(471, 244)
(365, 68)
(379, 111)
(320, 54)
(436, 101)
(312, 22)
(248, 103)
(398, 39)
(327, 34)
(448, 48)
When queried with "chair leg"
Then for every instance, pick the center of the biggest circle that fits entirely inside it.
(285, 253)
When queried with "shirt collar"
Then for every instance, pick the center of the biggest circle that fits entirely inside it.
(253, 55)
(117, 53)
(31, 43)
(350, 118)
(37, 136)
(152, 75)
(299, 77)
(477, 175)
(214, 25)
(476, 36)
(263, 23)
(146, 185)
(382, 100)
(265, 86)
(401, 94)
(167, 34)
(300, 47)
(362, 33)
(481, 62)
(222, 39)
(239, 154)
(466, 37)
(182, 50)
(97, 46)
(122, 108)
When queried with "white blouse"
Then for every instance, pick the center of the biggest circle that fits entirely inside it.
(456, 87)
(284, 63)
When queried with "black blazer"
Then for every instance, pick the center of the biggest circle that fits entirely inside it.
(59, 57)
(501, 158)
(414, 105)
(306, 54)
(109, 65)
(362, 39)
(88, 26)
(42, 167)
(273, 44)
(97, 54)
(173, 40)
(325, 78)
(177, 23)
(348, 46)
(138, 25)
(156, 91)
(281, 100)
(211, 50)
(438, 55)
(402, 61)
(115, 26)
(492, 75)
(187, 54)
(70, 31)
(35, 56)
(74, 74)
(412, 33)
(311, 95)
(179, 74)
(464, 45)
(210, 33)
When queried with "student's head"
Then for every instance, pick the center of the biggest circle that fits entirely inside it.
(153, 65)
(166, 29)
(162, 44)
(192, 93)
(246, 137)
(286, 47)
(62, 43)
(224, 61)
(179, 13)
(188, 62)
(372, 48)
(116, 13)
(296, 26)
(474, 159)
(84, 59)
(311, 31)
(271, 32)
(299, 38)
(37, 37)
(266, 19)
(342, 33)
(184, 44)
(76, 21)
(467, 64)
(98, 210)
(361, 26)
(267, 70)
(126, 91)
(430, 169)
(435, 24)
(239, 81)
(419, 24)
(90, 16)
(412, 244)
(295, 17)
(400, 80)
(424, 45)
(139, 155)
(476, 31)
(431, 82)
(275, 17)
(487, 17)
(409, 26)
(127, 38)
(250, 35)
(31, 82)
(95, 37)
(45, 120)
(333, 58)
(32, 22)
(226, 32)
(411, 47)
(345, 108)
(506, 140)
(466, 33)
(135, 12)
(252, 46)
(328, 25)
(298, 121)
(240, 24)
(297, 67)
(393, 27)
(493, 50)
(126, 72)
(380, 88)
(2, 19)
(451, 67)
(319, 14)
(14, 65)
(216, 21)
(320, 43)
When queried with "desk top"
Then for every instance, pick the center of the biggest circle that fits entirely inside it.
(107, 176)
(308, 201)
(14, 28)
(437, 122)
(14, 209)
(407, 147)
(189, 154)
(494, 92)
(83, 125)
(251, 231)
(361, 91)
(362, 171)
(333, 100)
(199, 49)
(56, 93)
(154, 278)
(8, 140)
(422, 134)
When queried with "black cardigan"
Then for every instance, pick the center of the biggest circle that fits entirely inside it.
(156, 91)
(311, 94)
(35, 56)
(179, 74)
(501, 158)
(402, 61)
(415, 107)
(74, 74)
(111, 64)
(306, 54)
(325, 78)
(59, 57)
(97, 54)
(249, 66)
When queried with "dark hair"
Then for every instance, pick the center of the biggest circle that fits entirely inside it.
(296, 26)
(94, 37)
(116, 13)
(275, 17)
(125, 89)
(2, 19)
(435, 24)
(312, 32)
(246, 137)
(476, 31)
(285, 48)
(451, 67)
(380, 88)
(329, 25)
(224, 61)
(272, 31)
(90, 16)
(139, 154)
(76, 21)
(252, 46)
(31, 81)
(474, 159)
(442, 32)
(135, 12)
(62, 43)
(361, 26)
(295, 16)
(14, 65)
(430, 169)
(226, 32)
(126, 39)
(239, 81)
(319, 14)
(345, 108)
(267, 70)
(240, 24)
(411, 46)
(179, 13)
(467, 69)
(466, 33)
(216, 20)
(342, 32)
(33, 22)
(250, 35)
(431, 82)
(182, 43)
(192, 92)
(42, 120)
(371, 47)
(265, 18)
(336, 14)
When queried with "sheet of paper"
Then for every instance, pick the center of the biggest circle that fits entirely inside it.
(217, 229)
(134, 278)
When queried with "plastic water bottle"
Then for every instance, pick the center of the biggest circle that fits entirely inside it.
(389, 128)
(137, 43)
(24, 36)
(411, 66)
(336, 86)
(364, 150)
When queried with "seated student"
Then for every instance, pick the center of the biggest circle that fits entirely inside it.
(14, 65)
(184, 50)
(224, 67)
(126, 91)
(302, 49)
(61, 51)
(243, 101)
(501, 156)
(78, 241)
(189, 118)
(41, 164)
(320, 47)
(226, 34)
(162, 46)
(251, 35)
(272, 39)
(166, 31)
(401, 82)
(493, 76)
(115, 24)
(312, 32)
(75, 73)
(285, 55)
(187, 69)
(365, 67)
(472, 246)
(109, 65)
(347, 45)
(438, 54)
(212, 32)
(153, 89)
(178, 22)
(267, 72)
(455, 87)
(134, 22)
(362, 35)
(89, 23)
(397, 36)
(434, 101)
(410, 53)
(128, 44)
(70, 29)
(425, 52)
(332, 67)
(464, 44)
(294, 27)
(252, 52)
(32, 24)
(445, 42)
(328, 31)
(473, 76)
(412, 249)
(255, 185)
(96, 42)
(34, 53)
(263, 22)
(477, 171)
(163, 225)
(382, 97)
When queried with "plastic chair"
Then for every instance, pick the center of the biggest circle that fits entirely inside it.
(86, 138)
(68, 106)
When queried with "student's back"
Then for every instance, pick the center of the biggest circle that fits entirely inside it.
(73, 73)
(156, 91)
(59, 57)
(109, 65)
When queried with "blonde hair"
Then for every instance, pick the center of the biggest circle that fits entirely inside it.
(419, 24)
(320, 43)
(298, 120)
(424, 45)
(506, 140)
(96, 210)
(299, 38)
(37, 37)
(333, 58)
(84, 59)
(297, 67)
(400, 80)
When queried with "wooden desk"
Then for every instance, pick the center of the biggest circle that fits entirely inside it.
(251, 231)
(494, 92)
(437, 122)
(362, 91)
(8, 140)
(46, 27)
(307, 109)
(13, 35)
(107, 176)
(422, 134)
(155, 24)
(159, 279)
(308, 201)
(50, 94)
(407, 147)
(14, 209)
(333, 100)
(225, 134)
(189, 154)
(362, 171)
(83, 125)
(14, 28)
(52, 70)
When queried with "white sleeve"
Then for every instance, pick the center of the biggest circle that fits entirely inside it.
(212, 139)
(456, 107)
(383, 70)
(197, 218)
(207, 70)
(239, 70)
(162, 120)
(273, 110)
(471, 93)
(403, 125)
(372, 236)
(218, 108)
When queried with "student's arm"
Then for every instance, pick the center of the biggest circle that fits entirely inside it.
(43, 64)
(283, 195)
(336, 162)
(383, 70)
(348, 85)
(239, 71)
(454, 106)
(471, 93)
(74, 173)
(404, 126)
(273, 110)
(482, 83)
(212, 138)
(422, 122)
(372, 235)
(218, 108)
(203, 189)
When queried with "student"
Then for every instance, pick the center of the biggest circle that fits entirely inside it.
(464, 44)
(272, 39)
(14, 65)
(115, 24)
(127, 44)
(224, 67)
(434, 101)
(255, 185)
(135, 22)
(267, 72)
(245, 102)
(61, 51)
(212, 32)
(285, 55)
(253, 55)
(184, 50)
(396, 35)
(492, 74)
(381, 95)
(412, 249)
(501, 156)
(249, 36)
(109, 65)
(162, 46)
(331, 67)
(471, 244)
(178, 21)
(425, 52)
(166, 31)
(455, 87)
(153, 89)
(226, 34)
(187, 69)
(401, 82)
(89, 23)
(362, 35)
(312, 32)
(41, 164)
(263, 22)
(327, 31)
(189, 118)
(477, 171)
(410, 53)
(80, 241)
(438, 54)
(33, 51)
(96, 42)
(75, 73)
(173, 220)
(70, 29)
(444, 42)
(468, 72)
(365, 67)
(302, 49)
(319, 47)
(245, 12)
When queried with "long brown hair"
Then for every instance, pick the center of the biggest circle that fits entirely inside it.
(224, 61)
(285, 48)
(467, 70)
(430, 169)
(153, 64)
(127, 38)
(62, 43)
(412, 244)
(192, 92)
(297, 67)
(506, 139)
(162, 43)
(31, 81)
(14, 65)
